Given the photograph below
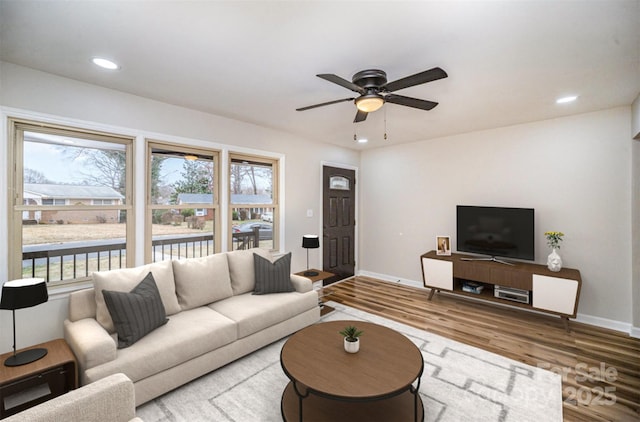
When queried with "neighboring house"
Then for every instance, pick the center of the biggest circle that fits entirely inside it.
(70, 195)
(198, 198)
(244, 199)
(240, 199)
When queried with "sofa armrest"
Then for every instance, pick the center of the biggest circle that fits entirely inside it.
(90, 342)
(301, 284)
(110, 399)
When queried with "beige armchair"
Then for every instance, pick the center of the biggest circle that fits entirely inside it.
(109, 399)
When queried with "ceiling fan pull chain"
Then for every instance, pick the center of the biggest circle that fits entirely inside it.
(385, 123)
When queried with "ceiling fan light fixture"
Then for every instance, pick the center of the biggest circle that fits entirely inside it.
(369, 102)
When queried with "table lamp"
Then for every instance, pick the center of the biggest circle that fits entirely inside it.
(19, 294)
(310, 241)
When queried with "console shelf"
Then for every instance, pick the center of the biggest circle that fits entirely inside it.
(535, 285)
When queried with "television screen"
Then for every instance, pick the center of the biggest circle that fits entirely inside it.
(496, 231)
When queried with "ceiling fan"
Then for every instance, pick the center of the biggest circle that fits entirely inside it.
(374, 90)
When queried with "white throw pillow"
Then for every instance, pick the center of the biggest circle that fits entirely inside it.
(200, 281)
(241, 269)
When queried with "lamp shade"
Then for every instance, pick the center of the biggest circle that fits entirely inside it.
(23, 293)
(310, 241)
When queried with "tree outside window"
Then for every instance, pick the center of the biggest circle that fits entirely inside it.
(183, 203)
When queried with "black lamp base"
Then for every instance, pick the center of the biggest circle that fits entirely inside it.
(310, 273)
(25, 357)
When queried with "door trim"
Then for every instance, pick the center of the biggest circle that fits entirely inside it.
(356, 248)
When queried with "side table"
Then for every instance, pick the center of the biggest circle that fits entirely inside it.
(317, 281)
(25, 386)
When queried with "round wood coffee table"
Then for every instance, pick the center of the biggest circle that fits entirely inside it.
(329, 384)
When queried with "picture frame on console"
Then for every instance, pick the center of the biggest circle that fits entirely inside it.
(443, 245)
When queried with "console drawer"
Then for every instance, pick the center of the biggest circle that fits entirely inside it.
(511, 278)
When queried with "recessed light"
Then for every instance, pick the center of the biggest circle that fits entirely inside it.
(105, 64)
(567, 99)
(363, 140)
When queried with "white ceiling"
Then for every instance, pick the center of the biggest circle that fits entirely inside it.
(256, 61)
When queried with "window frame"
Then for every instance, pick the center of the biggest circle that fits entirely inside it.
(15, 187)
(180, 149)
(274, 206)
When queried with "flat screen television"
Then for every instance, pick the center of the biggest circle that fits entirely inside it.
(496, 231)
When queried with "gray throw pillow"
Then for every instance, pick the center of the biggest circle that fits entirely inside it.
(137, 313)
(272, 277)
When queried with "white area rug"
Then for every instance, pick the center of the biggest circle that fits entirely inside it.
(460, 383)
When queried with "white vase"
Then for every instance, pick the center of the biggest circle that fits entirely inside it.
(351, 346)
(554, 262)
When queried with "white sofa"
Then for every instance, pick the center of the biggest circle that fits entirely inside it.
(110, 399)
(213, 319)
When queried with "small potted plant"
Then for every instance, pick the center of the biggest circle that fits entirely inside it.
(351, 339)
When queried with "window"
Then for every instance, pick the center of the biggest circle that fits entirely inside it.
(253, 202)
(51, 201)
(72, 191)
(182, 208)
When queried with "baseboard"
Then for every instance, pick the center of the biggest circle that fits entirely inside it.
(624, 327)
(385, 277)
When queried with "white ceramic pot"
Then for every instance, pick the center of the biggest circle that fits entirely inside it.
(351, 346)
(554, 262)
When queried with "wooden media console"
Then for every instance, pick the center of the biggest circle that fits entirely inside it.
(547, 291)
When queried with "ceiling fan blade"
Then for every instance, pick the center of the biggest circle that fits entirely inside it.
(342, 82)
(409, 102)
(324, 104)
(361, 116)
(417, 79)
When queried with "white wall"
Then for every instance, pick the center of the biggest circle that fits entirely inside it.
(83, 104)
(636, 237)
(635, 177)
(575, 172)
(635, 118)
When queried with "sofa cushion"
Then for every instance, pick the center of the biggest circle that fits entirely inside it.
(272, 277)
(253, 313)
(82, 304)
(187, 335)
(200, 281)
(124, 280)
(137, 313)
(241, 269)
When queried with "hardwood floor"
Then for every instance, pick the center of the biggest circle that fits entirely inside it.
(601, 367)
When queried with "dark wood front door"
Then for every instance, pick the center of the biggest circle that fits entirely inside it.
(338, 222)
